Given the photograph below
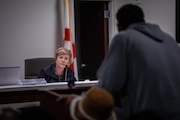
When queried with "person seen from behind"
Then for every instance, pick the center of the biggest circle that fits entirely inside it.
(142, 67)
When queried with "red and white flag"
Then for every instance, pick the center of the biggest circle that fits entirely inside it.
(69, 33)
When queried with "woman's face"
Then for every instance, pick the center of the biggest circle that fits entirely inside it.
(62, 60)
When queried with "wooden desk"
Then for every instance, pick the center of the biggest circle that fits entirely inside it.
(57, 109)
(31, 93)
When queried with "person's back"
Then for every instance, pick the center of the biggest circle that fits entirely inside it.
(153, 71)
(143, 67)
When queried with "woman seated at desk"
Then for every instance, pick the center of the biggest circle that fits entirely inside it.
(59, 71)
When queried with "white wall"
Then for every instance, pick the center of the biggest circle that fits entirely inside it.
(28, 27)
(27, 30)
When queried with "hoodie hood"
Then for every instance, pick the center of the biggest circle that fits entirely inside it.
(151, 30)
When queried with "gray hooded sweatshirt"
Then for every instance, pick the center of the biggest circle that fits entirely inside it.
(142, 67)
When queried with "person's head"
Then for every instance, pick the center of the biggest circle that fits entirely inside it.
(63, 57)
(96, 104)
(9, 113)
(129, 14)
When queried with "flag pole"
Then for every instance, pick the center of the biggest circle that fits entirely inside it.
(69, 39)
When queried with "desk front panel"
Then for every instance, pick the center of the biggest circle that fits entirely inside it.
(31, 93)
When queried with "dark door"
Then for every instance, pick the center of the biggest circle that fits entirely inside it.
(91, 36)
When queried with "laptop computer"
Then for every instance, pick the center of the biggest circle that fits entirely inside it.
(9, 75)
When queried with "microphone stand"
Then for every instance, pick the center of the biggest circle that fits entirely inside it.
(70, 82)
(66, 69)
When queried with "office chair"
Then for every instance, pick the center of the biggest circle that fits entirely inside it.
(33, 66)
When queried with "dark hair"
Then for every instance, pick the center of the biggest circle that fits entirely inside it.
(129, 14)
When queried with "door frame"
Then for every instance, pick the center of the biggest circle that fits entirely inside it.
(112, 20)
(111, 25)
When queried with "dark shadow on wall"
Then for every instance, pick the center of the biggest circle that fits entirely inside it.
(59, 33)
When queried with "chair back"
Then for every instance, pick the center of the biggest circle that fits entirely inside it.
(33, 66)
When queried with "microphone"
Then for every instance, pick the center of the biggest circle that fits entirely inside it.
(70, 82)
(66, 70)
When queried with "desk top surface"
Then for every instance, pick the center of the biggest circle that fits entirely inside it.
(47, 86)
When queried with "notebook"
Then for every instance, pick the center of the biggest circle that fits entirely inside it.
(9, 75)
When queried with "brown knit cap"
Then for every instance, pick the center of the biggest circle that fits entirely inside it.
(96, 103)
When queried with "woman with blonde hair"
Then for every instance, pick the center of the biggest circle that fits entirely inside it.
(59, 70)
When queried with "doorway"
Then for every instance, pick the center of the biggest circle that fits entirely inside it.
(91, 36)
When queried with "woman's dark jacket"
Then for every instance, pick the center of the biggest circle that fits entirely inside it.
(50, 75)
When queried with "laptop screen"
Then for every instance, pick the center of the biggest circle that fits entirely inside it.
(9, 75)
